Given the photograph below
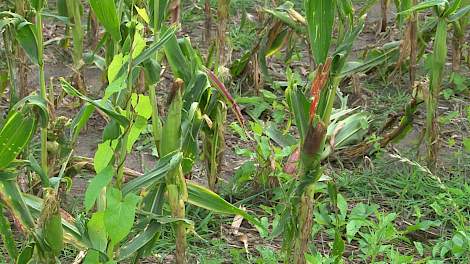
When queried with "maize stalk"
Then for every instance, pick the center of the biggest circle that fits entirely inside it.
(73, 10)
(207, 22)
(214, 144)
(413, 24)
(222, 19)
(39, 5)
(175, 182)
(439, 57)
(20, 9)
(384, 8)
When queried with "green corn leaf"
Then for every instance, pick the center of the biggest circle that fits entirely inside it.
(62, 8)
(104, 105)
(452, 8)
(7, 235)
(152, 71)
(346, 10)
(342, 51)
(106, 12)
(37, 4)
(299, 105)
(34, 165)
(283, 140)
(320, 19)
(459, 14)
(36, 104)
(149, 52)
(283, 12)
(204, 198)
(80, 120)
(423, 5)
(177, 61)
(439, 55)
(119, 214)
(26, 255)
(13, 200)
(357, 67)
(195, 90)
(28, 41)
(278, 43)
(190, 129)
(14, 136)
(93, 190)
(146, 239)
(165, 164)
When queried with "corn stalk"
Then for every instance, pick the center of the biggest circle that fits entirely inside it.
(93, 29)
(207, 22)
(445, 13)
(439, 57)
(214, 143)
(73, 10)
(175, 11)
(413, 36)
(223, 7)
(38, 6)
(312, 117)
(175, 182)
(384, 9)
(458, 38)
(22, 71)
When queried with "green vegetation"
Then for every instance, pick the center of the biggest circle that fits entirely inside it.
(234, 131)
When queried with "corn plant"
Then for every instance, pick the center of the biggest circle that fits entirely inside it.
(129, 113)
(46, 234)
(202, 86)
(12, 36)
(223, 7)
(175, 11)
(445, 12)
(20, 9)
(74, 11)
(313, 120)
(207, 22)
(283, 28)
(458, 37)
(39, 60)
(110, 18)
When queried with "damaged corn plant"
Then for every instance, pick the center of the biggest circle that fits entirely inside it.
(313, 112)
(233, 131)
